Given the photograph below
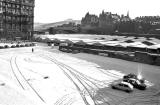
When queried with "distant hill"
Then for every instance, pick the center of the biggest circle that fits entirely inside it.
(43, 26)
(38, 24)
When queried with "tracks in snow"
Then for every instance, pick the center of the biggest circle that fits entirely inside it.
(22, 80)
(88, 86)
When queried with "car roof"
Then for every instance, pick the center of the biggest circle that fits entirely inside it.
(126, 83)
(135, 80)
(131, 74)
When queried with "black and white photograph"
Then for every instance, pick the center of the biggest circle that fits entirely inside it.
(79, 52)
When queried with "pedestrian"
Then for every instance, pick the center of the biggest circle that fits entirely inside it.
(32, 50)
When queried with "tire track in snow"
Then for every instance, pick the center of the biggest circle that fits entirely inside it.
(83, 78)
(21, 78)
(72, 77)
(15, 74)
(65, 100)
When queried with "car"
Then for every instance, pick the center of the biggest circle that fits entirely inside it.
(125, 86)
(136, 83)
(75, 51)
(13, 46)
(131, 75)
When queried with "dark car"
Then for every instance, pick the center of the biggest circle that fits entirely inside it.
(136, 83)
(131, 75)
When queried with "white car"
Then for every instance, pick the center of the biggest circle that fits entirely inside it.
(136, 83)
(125, 86)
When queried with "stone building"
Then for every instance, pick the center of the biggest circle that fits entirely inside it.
(148, 24)
(126, 24)
(90, 20)
(107, 22)
(16, 18)
(89, 24)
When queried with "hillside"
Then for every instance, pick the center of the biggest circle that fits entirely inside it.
(41, 26)
(38, 24)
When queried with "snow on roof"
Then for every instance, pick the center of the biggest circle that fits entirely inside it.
(110, 43)
(90, 39)
(154, 46)
(137, 44)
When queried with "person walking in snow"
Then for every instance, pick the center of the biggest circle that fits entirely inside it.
(32, 50)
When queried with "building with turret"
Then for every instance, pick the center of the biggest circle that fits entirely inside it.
(108, 21)
(90, 20)
(16, 19)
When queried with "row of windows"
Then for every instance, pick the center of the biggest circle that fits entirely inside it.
(20, 1)
(1, 25)
(17, 12)
(16, 9)
(28, 1)
(17, 1)
(18, 27)
(13, 26)
(18, 19)
(15, 6)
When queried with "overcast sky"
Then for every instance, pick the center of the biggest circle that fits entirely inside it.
(47, 11)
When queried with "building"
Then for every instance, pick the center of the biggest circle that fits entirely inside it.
(107, 22)
(90, 20)
(89, 24)
(16, 18)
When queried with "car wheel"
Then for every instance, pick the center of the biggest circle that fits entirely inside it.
(113, 87)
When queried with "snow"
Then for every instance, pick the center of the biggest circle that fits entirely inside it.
(53, 83)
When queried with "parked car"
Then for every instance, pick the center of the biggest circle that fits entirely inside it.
(13, 46)
(136, 83)
(6, 46)
(17, 45)
(75, 51)
(125, 86)
(22, 45)
(131, 75)
(26, 45)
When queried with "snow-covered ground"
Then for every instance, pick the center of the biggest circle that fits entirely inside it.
(46, 78)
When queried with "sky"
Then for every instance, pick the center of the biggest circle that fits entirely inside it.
(48, 11)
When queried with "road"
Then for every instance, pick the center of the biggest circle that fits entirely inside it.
(50, 77)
